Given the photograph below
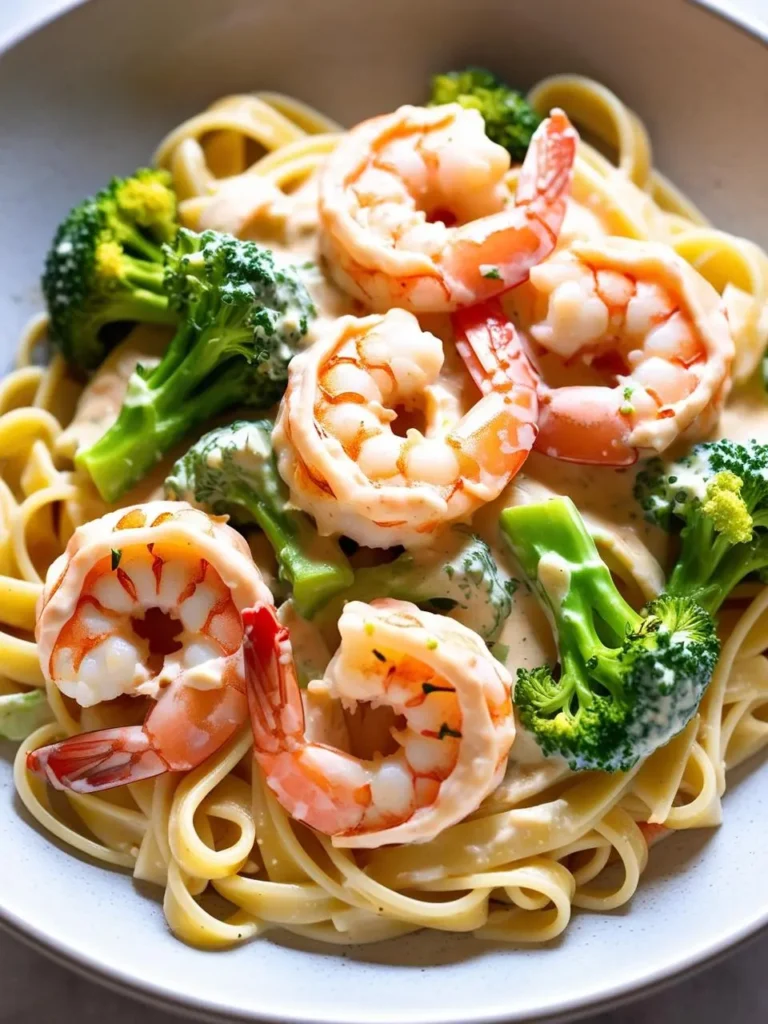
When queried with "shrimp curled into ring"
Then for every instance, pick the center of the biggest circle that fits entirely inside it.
(637, 313)
(342, 460)
(104, 629)
(415, 211)
(437, 676)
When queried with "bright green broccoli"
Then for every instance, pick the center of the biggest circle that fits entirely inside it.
(461, 577)
(232, 471)
(105, 265)
(627, 682)
(718, 493)
(509, 119)
(22, 713)
(242, 317)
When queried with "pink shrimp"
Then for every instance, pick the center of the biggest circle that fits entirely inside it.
(415, 211)
(146, 602)
(636, 316)
(453, 698)
(342, 459)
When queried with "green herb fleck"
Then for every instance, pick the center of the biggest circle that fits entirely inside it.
(368, 628)
(431, 644)
(379, 655)
(488, 270)
(116, 556)
(627, 408)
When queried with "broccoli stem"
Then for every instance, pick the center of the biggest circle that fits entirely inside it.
(232, 471)
(174, 355)
(142, 306)
(152, 420)
(556, 528)
(133, 239)
(314, 566)
(701, 553)
(372, 581)
(145, 275)
(22, 713)
(710, 566)
(739, 562)
(577, 589)
(159, 410)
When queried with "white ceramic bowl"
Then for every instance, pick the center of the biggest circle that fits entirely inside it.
(90, 94)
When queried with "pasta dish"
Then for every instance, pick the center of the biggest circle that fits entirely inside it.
(385, 517)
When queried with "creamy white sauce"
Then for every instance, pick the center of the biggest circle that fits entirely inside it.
(99, 404)
(554, 574)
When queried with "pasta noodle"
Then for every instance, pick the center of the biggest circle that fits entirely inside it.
(232, 863)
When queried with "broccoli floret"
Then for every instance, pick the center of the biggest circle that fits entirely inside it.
(627, 682)
(463, 579)
(509, 119)
(242, 317)
(232, 471)
(105, 265)
(718, 495)
(146, 201)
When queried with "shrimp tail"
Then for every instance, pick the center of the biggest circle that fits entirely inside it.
(495, 253)
(490, 347)
(274, 698)
(546, 175)
(98, 760)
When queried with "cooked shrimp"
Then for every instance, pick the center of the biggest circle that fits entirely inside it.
(146, 602)
(635, 313)
(450, 693)
(342, 460)
(415, 211)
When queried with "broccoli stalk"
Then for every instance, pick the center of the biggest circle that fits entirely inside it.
(718, 493)
(232, 471)
(509, 119)
(105, 265)
(22, 713)
(241, 320)
(463, 578)
(627, 681)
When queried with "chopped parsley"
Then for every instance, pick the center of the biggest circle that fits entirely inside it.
(627, 408)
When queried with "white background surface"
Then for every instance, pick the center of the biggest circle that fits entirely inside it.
(34, 990)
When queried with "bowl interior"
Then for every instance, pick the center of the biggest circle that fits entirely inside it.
(90, 95)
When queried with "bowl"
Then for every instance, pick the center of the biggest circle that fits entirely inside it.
(90, 94)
